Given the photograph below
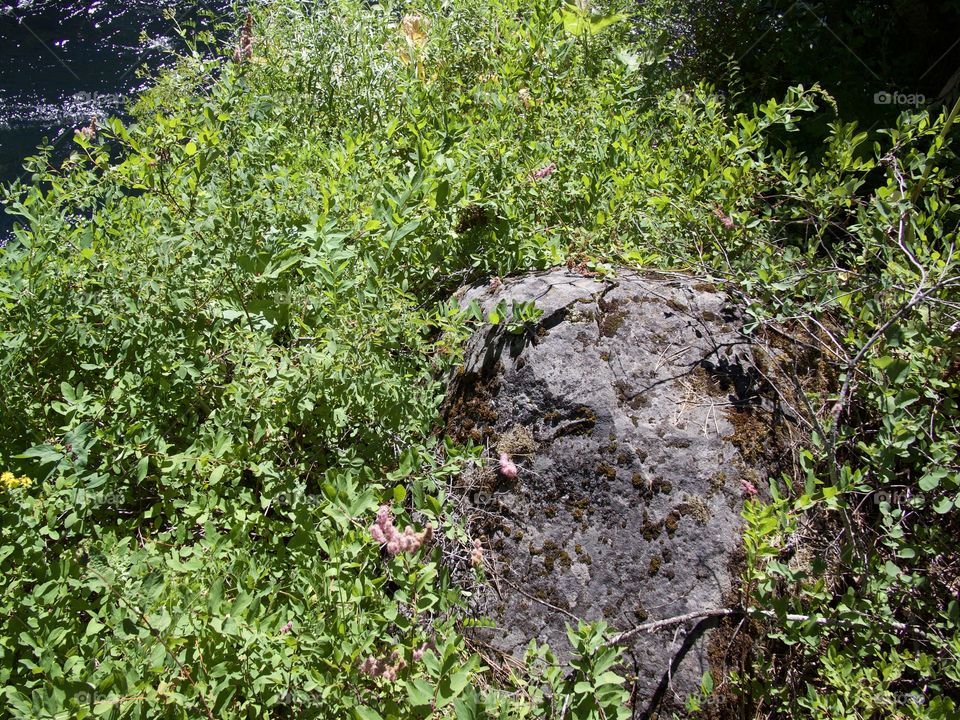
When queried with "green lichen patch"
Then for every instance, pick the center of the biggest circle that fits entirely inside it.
(697, 509)
(518, 440)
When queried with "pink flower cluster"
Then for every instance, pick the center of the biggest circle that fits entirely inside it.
(476, 554)
(543, 172)
(748, 487)
(507, 467)
(286, 628)
(408, 541)
(725, 219)
(389, 668)
(88, 133)
(244, 50)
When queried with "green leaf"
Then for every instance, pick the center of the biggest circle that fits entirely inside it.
(707, 683)
(142, 467)
(468, 706)
(943, 506)
(420, 692)
(217, 474)
(896, 370)
(577, 21)
(362, 712)
(931, 481)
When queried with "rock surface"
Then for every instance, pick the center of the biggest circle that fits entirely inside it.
(620, 410)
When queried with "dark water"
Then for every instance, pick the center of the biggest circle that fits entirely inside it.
(63, 62)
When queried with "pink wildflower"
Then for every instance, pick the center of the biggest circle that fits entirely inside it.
(379, 667)
(725, 219)
(244, 50)
(507, 467)
(748, 487)
(385, 532)
(418, 653)
(543, 172)
(88, 133)
(476, 555)
(286, 628)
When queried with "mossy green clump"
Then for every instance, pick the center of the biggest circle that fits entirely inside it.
(649, 488)
(552, 554)
(672, 522)
(717, 481)
(582, 555)
(580, 509)
(611, 317)
(605, 471)
(651, 530)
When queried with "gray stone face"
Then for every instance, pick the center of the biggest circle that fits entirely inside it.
(619, 411)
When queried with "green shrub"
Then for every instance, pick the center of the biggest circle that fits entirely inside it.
(225, 328)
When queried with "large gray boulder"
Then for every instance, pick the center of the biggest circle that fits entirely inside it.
(621, 410)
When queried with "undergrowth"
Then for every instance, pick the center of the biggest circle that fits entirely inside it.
(224, 328)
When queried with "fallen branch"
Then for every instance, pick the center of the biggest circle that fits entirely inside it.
(655, 625)
(543, 602)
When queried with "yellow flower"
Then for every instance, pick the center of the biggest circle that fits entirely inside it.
(8, 481)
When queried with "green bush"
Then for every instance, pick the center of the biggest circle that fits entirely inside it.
(225, 327)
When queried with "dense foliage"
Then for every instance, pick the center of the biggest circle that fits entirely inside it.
(224, 328)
